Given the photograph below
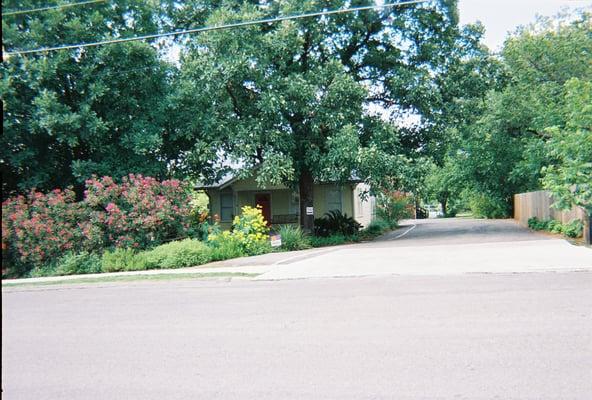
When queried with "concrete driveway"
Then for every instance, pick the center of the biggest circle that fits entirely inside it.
(441, 247)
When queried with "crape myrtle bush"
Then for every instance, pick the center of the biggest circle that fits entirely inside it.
(39, 227)
(139, 212)
(391, 207)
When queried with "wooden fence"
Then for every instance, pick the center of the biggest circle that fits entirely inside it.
(538, 204)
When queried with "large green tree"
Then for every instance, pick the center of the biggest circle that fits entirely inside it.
(72, 113)
(569, 171)
(525, 128)
(298, 99)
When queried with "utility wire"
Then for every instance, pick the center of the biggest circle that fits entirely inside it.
(57, 7)
(213, 28)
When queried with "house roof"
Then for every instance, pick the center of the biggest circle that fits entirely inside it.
(232, 177)
(221, 183)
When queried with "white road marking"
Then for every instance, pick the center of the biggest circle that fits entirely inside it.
(406, 232)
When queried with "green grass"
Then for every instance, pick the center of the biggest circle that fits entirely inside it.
(131, 278)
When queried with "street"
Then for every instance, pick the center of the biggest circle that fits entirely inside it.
(497, 335)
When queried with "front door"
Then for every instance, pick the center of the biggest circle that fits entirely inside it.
(264, 200)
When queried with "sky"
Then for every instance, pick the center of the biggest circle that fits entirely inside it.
(502, 16)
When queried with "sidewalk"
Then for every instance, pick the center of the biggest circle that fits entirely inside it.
(245, 265)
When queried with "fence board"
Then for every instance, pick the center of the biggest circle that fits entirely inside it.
(539, 204)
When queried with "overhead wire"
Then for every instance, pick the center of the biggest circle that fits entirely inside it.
(56, 7)
(214, 28)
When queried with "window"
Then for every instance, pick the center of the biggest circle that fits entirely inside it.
(226, 206)
(334, 199)
(295, 203)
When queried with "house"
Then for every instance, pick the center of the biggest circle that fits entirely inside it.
(281, 204)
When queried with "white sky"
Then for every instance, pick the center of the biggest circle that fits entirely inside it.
(502, 16)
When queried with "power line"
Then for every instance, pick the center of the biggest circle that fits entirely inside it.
(214, 28)
(57, 7)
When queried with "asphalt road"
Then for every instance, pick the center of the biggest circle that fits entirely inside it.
(447, 231)
(445, 333)
(518, 336)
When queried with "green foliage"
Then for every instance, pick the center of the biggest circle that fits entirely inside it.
(377, 227)
(122, 260)
(445, 185)
(572, 229)
(140, 212)
(290, 98)
(569, 173)
(537, 125)
(294, 238)
(332, 240)
(178, 254)
(484, 205)
(249, 232)
(71, 264)
(334, 222)
(71, 114)
(226, 249)
(391, 207)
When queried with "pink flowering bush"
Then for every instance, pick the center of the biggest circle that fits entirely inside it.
(38, 227)
(138, 213)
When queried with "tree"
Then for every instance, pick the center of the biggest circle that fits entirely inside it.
(445, 184)
(569, 173)
(70, 114)
(292, 98)
(506, 150)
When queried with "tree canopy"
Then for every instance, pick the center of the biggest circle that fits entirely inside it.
(533, 132)
(71, 114)
(296, 98)
(401, 98)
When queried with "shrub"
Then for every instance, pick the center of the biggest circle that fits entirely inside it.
(554, 226)
(572, 229)
(536, 224)
(376, 227)
(249, 232)
(393, 207)
(226, 249)
(140, 212)
(71, 264)
(81, 263)
(122, 260)
(334, 222)
(38, 228)
(179, 254)
(485, 206)
(333, 240)
(293, 238)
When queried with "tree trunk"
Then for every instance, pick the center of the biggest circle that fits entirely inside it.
(443, 204)
(305, 187)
